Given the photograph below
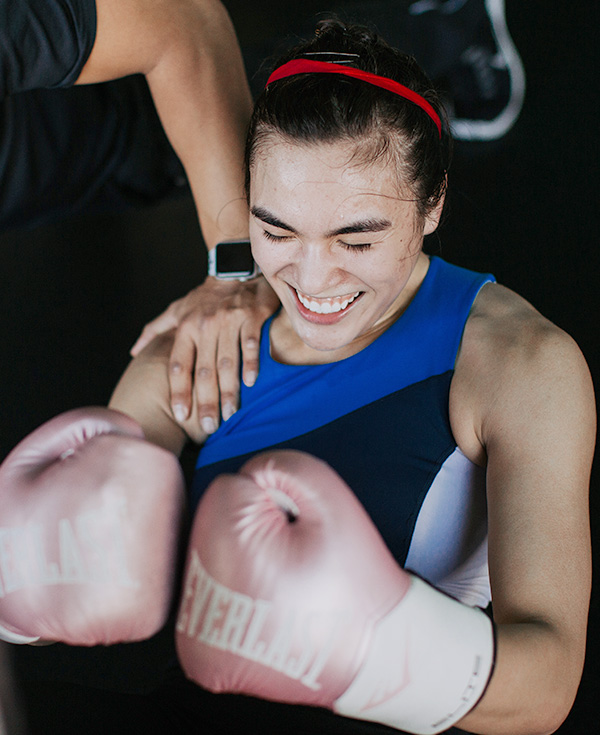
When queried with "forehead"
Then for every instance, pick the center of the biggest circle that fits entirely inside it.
(283, 169)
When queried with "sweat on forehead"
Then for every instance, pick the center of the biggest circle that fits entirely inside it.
(351, 155)
(297, 187)
(326, 107)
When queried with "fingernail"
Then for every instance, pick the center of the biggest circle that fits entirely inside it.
(250, 379)
(209, 425)
(179, 412)
(228, 411)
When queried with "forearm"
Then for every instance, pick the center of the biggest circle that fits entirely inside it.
(189, 54)
(535, 679)
(201, 94)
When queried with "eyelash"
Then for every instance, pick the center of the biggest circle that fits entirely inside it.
(274, 238)
(358, 247)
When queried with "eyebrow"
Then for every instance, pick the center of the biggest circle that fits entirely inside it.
(270, 219)
(371, 224)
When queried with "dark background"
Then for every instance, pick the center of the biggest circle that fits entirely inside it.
(75, 293)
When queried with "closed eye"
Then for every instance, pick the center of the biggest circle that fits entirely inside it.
(275, 238)
(356, 247)
(353, 247)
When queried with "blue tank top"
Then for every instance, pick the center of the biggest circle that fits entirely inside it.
(380, 419)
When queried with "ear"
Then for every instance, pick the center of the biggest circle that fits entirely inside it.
(432, 219)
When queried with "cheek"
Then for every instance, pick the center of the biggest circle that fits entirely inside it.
(267, 255)
(391, 276)
(391, 271)
(271, 257)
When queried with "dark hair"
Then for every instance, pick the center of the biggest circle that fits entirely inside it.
(323, 108)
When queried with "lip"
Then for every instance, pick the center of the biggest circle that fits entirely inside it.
(324, 319)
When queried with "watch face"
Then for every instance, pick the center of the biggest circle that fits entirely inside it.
(234, 258)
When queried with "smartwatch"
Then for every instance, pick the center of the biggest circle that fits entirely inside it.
(232, 261)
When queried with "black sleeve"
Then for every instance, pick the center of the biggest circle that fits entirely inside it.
(44, 43)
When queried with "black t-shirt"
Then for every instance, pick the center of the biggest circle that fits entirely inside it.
(64, 148)
(44, 43)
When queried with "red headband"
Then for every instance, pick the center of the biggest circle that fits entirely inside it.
(303, 66)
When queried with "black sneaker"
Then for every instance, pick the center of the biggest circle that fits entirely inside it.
(466, 48)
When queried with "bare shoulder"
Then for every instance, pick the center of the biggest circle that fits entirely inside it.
(509, 334)
(514, 365)
(143, 393)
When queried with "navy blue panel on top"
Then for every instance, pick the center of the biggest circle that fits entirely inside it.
(44, 43)
(388, 452)
(62, 150)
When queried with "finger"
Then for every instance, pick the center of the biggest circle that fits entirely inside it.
(163, 323)
(206, 387)
(181, 371)
(228, 367)
(250, 344)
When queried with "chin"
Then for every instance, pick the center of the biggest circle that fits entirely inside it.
(325, 342)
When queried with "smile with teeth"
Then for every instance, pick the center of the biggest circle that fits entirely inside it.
(326, 306)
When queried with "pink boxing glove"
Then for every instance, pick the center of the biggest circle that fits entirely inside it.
(291, 595)
(89, 526)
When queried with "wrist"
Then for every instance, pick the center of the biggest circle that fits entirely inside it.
(232, 261)
(430, 662)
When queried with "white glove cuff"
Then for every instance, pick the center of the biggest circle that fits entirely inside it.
(428, 664)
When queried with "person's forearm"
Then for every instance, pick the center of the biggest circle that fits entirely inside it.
(535, 680)
(189, 54)
(201, 93)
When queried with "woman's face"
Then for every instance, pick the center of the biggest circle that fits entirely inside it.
(337, 241)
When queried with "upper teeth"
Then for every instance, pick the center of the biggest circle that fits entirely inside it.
(326, 306)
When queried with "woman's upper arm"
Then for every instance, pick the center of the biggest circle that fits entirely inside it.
(538, 431)
(522, 401)
(527, 390)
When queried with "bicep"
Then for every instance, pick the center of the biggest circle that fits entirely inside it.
(539, 438)
(43, 45)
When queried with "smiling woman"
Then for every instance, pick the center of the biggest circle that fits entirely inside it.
(460, 418)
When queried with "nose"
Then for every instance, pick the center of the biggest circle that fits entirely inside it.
(317, 269)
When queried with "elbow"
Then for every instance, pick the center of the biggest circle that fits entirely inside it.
(550, 721)
(558, 698)
(535, 706)
(546, 718)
